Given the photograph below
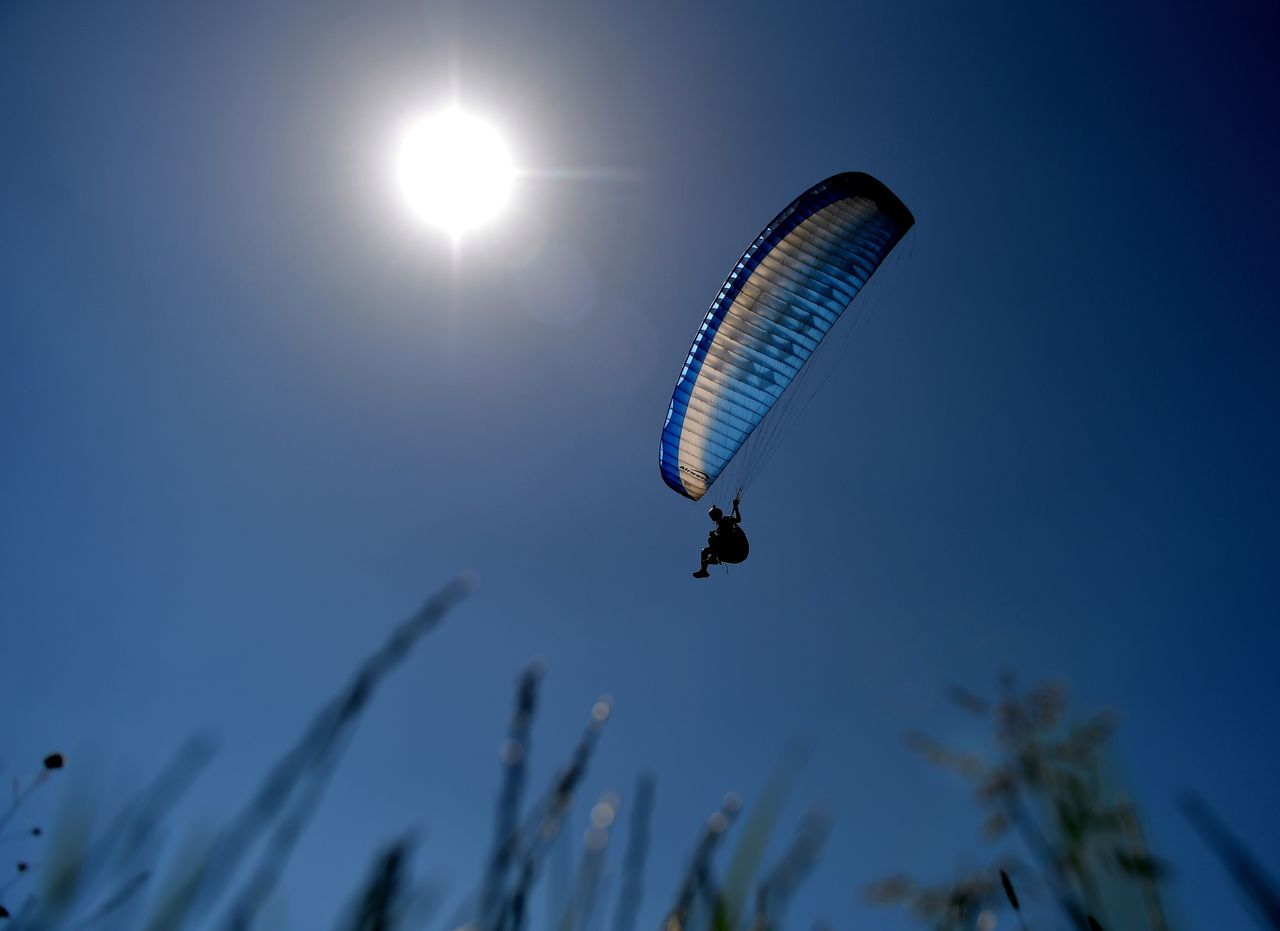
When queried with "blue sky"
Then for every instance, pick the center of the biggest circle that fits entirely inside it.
(252, 413)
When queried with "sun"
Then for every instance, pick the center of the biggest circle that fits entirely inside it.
(455, 171)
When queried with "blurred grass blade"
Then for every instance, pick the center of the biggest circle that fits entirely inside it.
(756, 834)
(122, 896)
(382, 895)
(301, 775)
(777, 888)
(581, 903)
(697, 877)
(1239, 861)
(632, 891)
(310, 764)
(515, 754)
(547, 818)
(138, 825)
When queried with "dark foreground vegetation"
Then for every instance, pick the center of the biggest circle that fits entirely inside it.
(1071, 850)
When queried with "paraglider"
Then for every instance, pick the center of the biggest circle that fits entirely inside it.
(727, 544)
(780, 300)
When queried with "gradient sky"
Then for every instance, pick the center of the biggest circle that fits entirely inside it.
(252, 412)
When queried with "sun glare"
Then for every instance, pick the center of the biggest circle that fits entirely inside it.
(455, 171)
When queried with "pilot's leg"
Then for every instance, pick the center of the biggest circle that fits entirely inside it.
(706, 558)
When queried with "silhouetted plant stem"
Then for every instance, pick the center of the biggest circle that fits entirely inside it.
(382, 894)
(543, 827)
(1042, 850)
(515, 753)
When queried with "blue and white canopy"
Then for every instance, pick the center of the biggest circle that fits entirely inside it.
(777, 304)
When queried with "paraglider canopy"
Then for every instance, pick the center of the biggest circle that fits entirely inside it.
(777, 304)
